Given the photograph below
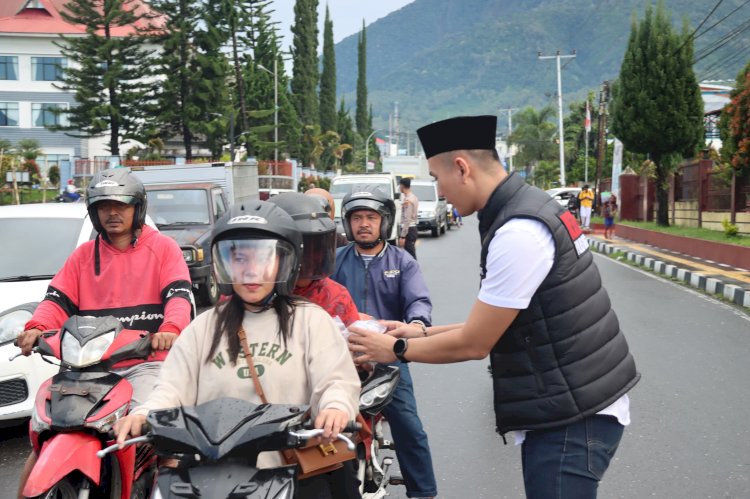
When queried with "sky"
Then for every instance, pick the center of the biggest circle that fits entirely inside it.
(347, 15)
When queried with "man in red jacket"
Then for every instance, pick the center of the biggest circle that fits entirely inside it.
(129, 271)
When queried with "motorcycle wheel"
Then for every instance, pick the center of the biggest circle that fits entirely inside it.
(64, 489)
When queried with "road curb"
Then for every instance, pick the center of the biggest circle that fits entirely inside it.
(711, 285)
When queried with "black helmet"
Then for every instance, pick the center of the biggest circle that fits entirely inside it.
(368, 197)
(116, 184)
(257, 225)
(318, 233)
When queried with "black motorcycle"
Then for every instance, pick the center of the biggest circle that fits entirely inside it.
(217, 445)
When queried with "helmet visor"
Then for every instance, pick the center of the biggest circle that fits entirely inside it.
(318, 256)
(253, 261)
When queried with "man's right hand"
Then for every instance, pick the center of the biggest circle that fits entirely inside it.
(27, 339)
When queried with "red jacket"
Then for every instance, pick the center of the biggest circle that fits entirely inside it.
(333, 297)
(147, 287)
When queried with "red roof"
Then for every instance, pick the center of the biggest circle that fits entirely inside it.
(15, 17)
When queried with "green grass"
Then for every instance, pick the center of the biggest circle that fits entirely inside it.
(694, 232)
(27, 196)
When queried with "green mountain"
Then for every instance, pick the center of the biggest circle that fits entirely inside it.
(439, 58)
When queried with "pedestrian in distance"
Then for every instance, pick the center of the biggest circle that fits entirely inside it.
(609, 211)
(560, 364)
(586, 198)
(296, 348)
(408, 235)
(129, 270)
(386, 283)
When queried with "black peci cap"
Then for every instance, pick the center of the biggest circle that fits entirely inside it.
(461, 132)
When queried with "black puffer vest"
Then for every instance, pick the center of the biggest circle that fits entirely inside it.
(564, 357)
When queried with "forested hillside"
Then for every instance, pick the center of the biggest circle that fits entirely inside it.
(442, 57)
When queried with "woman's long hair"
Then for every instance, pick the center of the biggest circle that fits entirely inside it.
(229, 315)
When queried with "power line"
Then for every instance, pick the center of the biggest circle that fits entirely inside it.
(722, 42)
(689, 38)
(721, 20)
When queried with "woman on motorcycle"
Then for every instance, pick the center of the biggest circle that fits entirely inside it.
(299, 354)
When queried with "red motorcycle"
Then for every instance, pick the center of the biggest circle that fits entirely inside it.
(76, 409)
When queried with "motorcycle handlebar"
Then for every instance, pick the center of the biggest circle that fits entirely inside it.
(352, 426)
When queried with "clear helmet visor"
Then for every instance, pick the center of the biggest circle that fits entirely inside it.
(318, 255)
(253, 261)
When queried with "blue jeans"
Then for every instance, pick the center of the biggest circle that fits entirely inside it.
(412, 447)
(568, 462)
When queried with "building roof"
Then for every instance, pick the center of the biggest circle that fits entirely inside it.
(43, 17)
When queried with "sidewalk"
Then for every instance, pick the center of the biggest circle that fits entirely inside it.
(713, 278)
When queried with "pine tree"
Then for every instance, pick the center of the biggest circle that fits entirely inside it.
(735, 125)
(110, 75)
(361, 117)
(305, 75)
(212, 70)
(305, 60)
(345, 129)
(328, 79)
(657, 106)
(178, 113)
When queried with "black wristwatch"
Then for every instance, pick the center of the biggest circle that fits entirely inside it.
(399, 348)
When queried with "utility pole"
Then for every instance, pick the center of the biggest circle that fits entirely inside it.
(510, 130)
(557, 56)
(395, 124)
(602, 136)
(275, 109)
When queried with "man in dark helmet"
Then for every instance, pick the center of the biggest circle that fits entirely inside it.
(386, 283)
(129, 271)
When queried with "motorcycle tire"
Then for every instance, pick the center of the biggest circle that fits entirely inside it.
(64, 489)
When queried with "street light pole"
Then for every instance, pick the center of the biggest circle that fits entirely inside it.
(559, 108)
(367, 147)
(275, 107)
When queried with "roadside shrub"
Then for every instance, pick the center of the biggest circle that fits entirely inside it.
(730, 230)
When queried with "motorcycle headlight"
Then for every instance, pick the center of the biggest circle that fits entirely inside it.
(105, 424)
(12, 323)
(375, 395)
(77, 355)
(37, 424)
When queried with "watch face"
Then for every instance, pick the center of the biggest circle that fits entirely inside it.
(400, 346)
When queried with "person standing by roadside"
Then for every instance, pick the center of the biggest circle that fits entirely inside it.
(408, 234)
(386, 283)
(586, 196)
(561, 367)
(609, 211)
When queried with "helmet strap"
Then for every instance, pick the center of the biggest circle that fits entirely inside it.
(369, 245)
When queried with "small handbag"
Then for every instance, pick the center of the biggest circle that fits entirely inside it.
(313, 459)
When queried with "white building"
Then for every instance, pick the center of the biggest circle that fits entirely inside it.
(30, 68)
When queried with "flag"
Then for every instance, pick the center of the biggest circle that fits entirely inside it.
(587, 120)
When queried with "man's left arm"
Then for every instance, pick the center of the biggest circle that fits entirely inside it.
(415, 296)
(176, 295)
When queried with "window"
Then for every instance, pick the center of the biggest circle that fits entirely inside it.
(44, 114)
(8, 67)
(219, 207)
(8, 113)
(47, 68)
(51, 159)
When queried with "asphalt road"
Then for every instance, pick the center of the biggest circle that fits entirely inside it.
(689, 436)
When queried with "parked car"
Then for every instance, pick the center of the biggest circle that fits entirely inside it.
(343, 185)
(563, 194)
(433, 209)
(38, 239)
(187, 213)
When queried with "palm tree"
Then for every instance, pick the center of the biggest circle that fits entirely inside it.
(534, 135)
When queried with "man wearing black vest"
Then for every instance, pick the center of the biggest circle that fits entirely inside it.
(561, 367)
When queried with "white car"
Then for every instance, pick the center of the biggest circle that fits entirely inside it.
(563, 194)
(38, 238)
